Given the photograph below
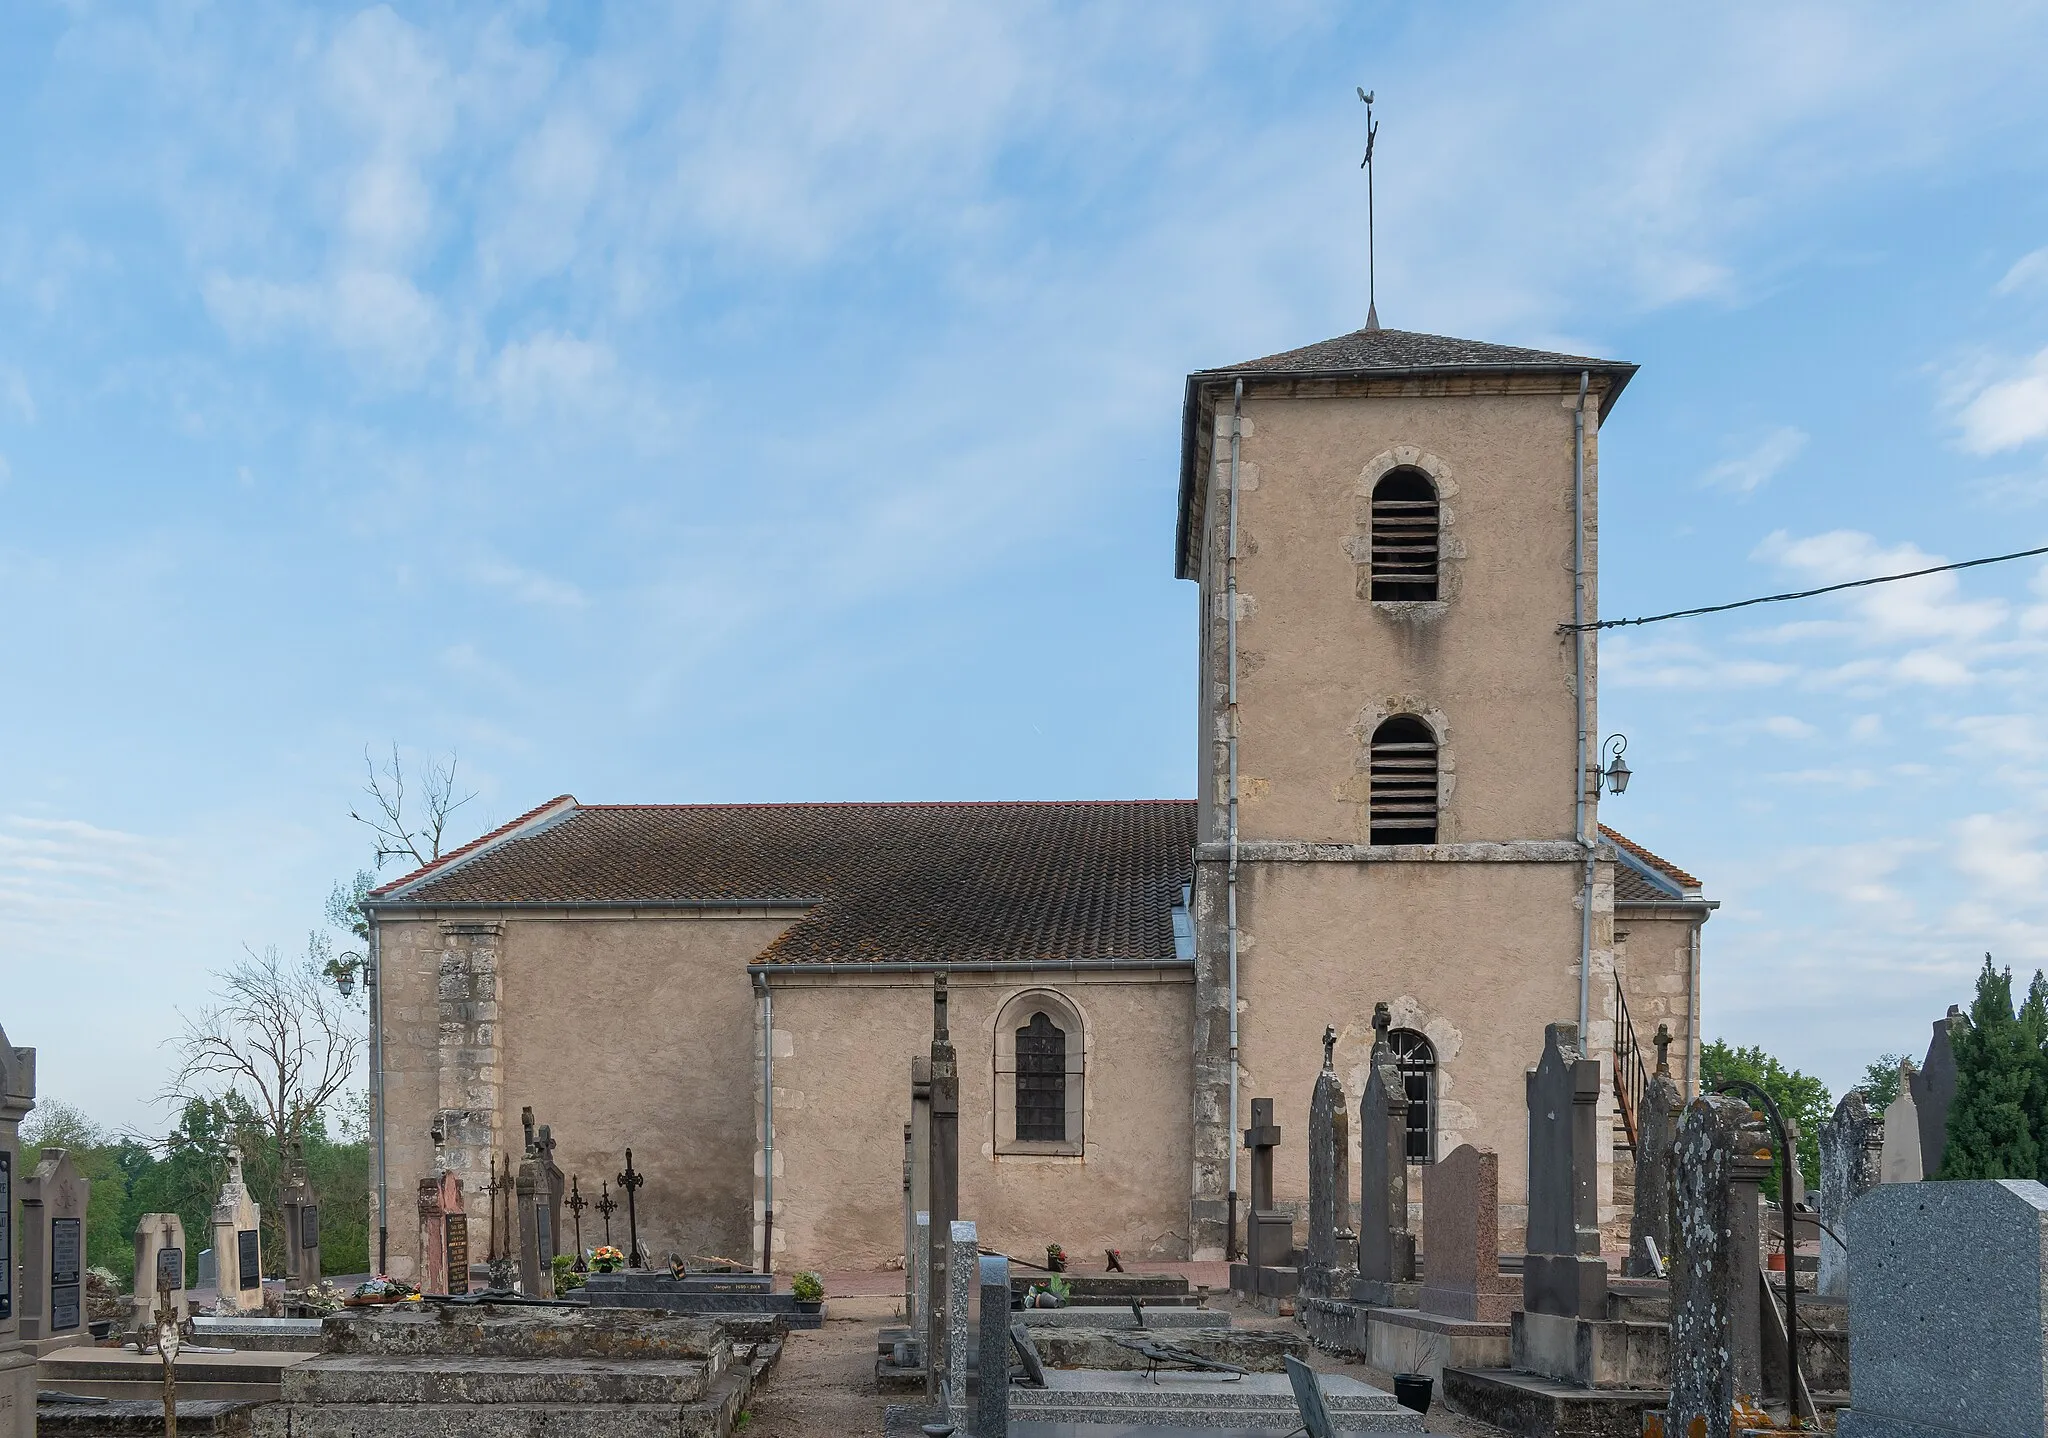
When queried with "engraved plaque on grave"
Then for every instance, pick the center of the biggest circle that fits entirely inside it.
(6, 1234)
(544, 1238)
(309, 1226)
(458, 1253)
(249, 1259)
(67, 1238)
(170, 1268)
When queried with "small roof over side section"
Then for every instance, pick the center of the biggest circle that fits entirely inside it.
(1364, 354)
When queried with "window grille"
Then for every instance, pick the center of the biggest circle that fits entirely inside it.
(1404, 536)
(1041, 1082)
(1415, 1056)
(1403, 782)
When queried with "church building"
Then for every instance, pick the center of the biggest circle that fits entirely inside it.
(1398, 774)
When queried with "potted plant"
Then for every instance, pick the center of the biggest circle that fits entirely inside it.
(607, 1260)
(567, 1279)
(808, 1290)
(1055, 1258)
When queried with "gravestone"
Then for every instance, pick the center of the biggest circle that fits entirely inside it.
(992, 1392)
(1716, 1335)
(53, 1205)
(237, 1244)
(1328, 1271)
(539, 1195)
(919, 1197)
(1386, 1247)
(301, 1223)
(1934, 1089)
(1899, 1151)
(209, 1271)
(1946, 1311)
(943, 1179)
(159, 1252)
(444, 1235)
(1563, 1273)
(963, 1251)
(1461, 1236)
(1850, 1156)
(1656, 1128)
(1269, 1230)
(924, 1286)
(17, 1356)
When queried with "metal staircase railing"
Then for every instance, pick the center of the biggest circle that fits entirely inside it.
(1631, 1074)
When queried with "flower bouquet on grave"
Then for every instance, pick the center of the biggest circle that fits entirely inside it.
(1055, 1258)
(607, 1260)
(381, 1291)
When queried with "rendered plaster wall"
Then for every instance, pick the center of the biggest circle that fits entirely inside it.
(629, 1030)
(843, 1045)
(1653, 957)
(1477, 956)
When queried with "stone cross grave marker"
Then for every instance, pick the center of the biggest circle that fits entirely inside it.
(1461, 1236)
(539, 1187)
(444, 1235)
(1328, 1271)
(1934, 1089)
(1656, 1129)
(1946, 1311)
(1899, 1149)
(1716, 1287)
(237, 1244)
(53, 1204)
(943, 1180)
(992, 1393)
(1851, 1145)
(1269, 1230)
(17, 1357)
(159, 1251)
(1563, 1272)
(301, 1223)
(1386, 1246)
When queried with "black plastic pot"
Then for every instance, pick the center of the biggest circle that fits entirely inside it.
(1412, 1390)
(100, 1327)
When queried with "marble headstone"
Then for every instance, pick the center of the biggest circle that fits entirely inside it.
(1716, 1357)
(1329, 1181)
(237, 1226)
(992, 1393)
(1386, 1247)
(1563, 1272)
(444, 1235)
(17, 1357)
(53, 1205)
(923, 1225)
(1656, 1129)
(1899, 1153)
(963, 1252)
(1850, 1145)
(159, 1251)
(1946, 1311)
(1934, 1089)
(1461, 1237)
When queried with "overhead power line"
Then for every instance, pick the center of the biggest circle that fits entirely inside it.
(1802, 593)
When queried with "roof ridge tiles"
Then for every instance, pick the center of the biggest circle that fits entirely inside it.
(455, 855)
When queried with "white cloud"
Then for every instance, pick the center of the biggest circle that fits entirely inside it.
(2002, 852)
(1867, 728)
(551, 370)
(2007, 413)
(1785, 726)
(1913, 609)
(1679, 664)
(526, 585)
(2029, 272)
(379, 317)
(1744, 473)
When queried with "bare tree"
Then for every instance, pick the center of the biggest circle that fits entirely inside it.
(278, 1035)
(416, 834)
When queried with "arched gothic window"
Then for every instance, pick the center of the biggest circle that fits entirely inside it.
(1416, 1058)
(1040, 1071)
(1404, 536)
(1404, 782)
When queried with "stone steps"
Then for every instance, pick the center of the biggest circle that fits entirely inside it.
(1181, 1400)
(134, 1418)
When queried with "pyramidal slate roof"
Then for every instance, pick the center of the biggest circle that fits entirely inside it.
(1369, 353)
(921, 883)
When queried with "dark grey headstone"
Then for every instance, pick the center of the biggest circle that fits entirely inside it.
(1386, 1248)
(1650, 1221)
(1714, 1264)
(1934, 1089)
(1946, 1312)
(1329, 1172)
(249, 1258)
(992, 1394)
(1851, 1150)
(1563, 1273)
(1027, 1354)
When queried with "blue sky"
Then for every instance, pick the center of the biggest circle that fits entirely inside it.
(782, 403)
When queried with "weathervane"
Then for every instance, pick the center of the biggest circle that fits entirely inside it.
(1372, 132)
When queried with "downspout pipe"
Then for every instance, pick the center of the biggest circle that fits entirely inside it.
(1583, 820)
(767, 1122)
(1230, 743)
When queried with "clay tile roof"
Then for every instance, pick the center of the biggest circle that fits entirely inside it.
(1363, 351)
(1664, 867)
(943, 883)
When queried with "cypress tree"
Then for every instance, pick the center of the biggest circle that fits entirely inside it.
(1991, 1132)
(2034, 1019)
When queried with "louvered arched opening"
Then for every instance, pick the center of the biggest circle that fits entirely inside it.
(1404, 536)
(1403, 782)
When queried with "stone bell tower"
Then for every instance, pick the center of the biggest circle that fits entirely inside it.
(1388, 530)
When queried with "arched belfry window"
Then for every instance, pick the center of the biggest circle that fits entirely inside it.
(1041, 1066)
(1416, 1058)
(1404, 536)
(1404, 782)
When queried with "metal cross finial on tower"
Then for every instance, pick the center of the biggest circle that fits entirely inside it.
(1372, 132)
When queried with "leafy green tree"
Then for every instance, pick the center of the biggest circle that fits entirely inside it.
(55, 1124)
(1880, 1084)
(1991, 1128)
(1801, 1098)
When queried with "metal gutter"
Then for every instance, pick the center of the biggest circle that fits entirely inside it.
(1581, 827)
